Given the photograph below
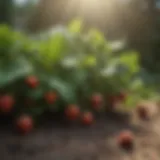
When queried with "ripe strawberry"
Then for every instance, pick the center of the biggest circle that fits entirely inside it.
(50, 97)
(125, 139)
(72, 112)
(24, 124)
(32, 81)
(96, 101)
(87, 118)
(6, 103)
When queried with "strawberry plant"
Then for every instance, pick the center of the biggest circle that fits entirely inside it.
(66, 70)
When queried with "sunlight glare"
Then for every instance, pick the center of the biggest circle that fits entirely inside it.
(91, 9)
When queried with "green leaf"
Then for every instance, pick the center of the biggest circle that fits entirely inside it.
(136, 85)
(96, 37)
(131, 101)
(89, 61)
(131, 60)
(36, 93)
(78, 77)
(53, 49)
(65, 89)
(6, 39)
(75, 26)
(14, 70)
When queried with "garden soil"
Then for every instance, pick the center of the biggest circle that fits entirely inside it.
(98, 142)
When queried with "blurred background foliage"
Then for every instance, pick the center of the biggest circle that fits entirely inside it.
(133, 21)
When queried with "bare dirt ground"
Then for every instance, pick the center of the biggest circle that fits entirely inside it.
(76, 143)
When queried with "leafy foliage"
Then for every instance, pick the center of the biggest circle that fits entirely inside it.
(71, 63)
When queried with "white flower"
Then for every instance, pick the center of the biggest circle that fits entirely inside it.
(70, 62)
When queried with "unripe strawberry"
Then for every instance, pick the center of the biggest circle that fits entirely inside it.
(6, 103)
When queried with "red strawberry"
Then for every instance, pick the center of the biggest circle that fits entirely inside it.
(87, 118)
(125, 139)
(32, 81)
(96, 101)
(50, 97)
(6, 103)
(72, 112)
(24, 124)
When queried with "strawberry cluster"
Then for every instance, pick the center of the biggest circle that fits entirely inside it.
(73, 73)
(24, 122)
